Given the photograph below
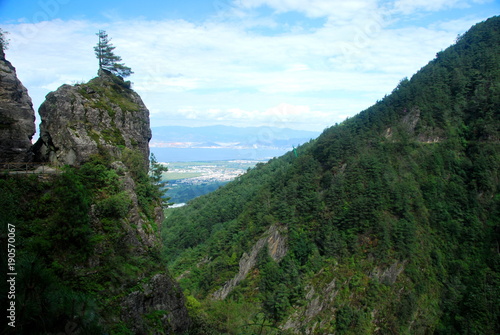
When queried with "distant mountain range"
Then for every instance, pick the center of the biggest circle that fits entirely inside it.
(229, 137)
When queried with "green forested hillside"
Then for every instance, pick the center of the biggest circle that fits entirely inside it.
(76, 258)
(391, 219)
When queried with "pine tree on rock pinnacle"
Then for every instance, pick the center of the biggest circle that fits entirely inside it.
(107, 59)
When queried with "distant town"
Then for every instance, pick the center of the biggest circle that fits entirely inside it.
(187, 180)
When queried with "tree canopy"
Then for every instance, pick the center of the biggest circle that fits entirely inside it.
(107, 59)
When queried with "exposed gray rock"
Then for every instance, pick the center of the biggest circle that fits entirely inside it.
(277, 247)
(300, 322)
(17, 117)
(389, 275)
(408, 125)
(158, 301)
(104, 115)
(319, 307)
(410, 119)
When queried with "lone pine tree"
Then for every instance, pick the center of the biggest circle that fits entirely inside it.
(4, 41)
(107, 59)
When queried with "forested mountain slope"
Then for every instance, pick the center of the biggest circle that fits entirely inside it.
(388, 223)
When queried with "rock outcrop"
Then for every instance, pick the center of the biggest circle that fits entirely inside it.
(276, 241)
(103, 115)
(17, 117)
(318, 301)
(105, 123)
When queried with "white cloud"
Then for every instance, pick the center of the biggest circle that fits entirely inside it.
(228, 72)
(315, 8)
(283, 115)
(347, 11)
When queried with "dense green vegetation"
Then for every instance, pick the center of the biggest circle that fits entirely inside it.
(392, 217)
(182, 193)
(73, 261)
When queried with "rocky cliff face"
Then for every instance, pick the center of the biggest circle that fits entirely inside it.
(102, 127)
(81, 120)
(276, 240)
(17, 117)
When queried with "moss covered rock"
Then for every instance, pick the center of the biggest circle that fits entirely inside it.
(103, 115)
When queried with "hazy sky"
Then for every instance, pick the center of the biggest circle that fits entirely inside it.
(285, 63)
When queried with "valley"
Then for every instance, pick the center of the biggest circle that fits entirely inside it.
(387, 223)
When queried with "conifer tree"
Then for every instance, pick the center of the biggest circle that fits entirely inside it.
(4, 42)
(107, 59)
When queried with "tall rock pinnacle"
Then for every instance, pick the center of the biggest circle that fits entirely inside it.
(85, 119)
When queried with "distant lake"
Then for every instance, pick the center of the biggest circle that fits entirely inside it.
(207, 154)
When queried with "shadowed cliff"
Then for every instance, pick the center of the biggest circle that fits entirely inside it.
(17, 117)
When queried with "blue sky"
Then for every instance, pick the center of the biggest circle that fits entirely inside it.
(283, 63)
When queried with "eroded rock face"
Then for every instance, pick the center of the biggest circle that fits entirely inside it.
(318, 311)
(277, 243)
(17, 117)
(104, 115)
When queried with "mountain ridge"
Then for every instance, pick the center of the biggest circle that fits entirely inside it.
(229, 136)
(392, 217)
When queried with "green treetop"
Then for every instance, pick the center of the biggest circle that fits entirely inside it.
(4, 42)
(107, 59)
